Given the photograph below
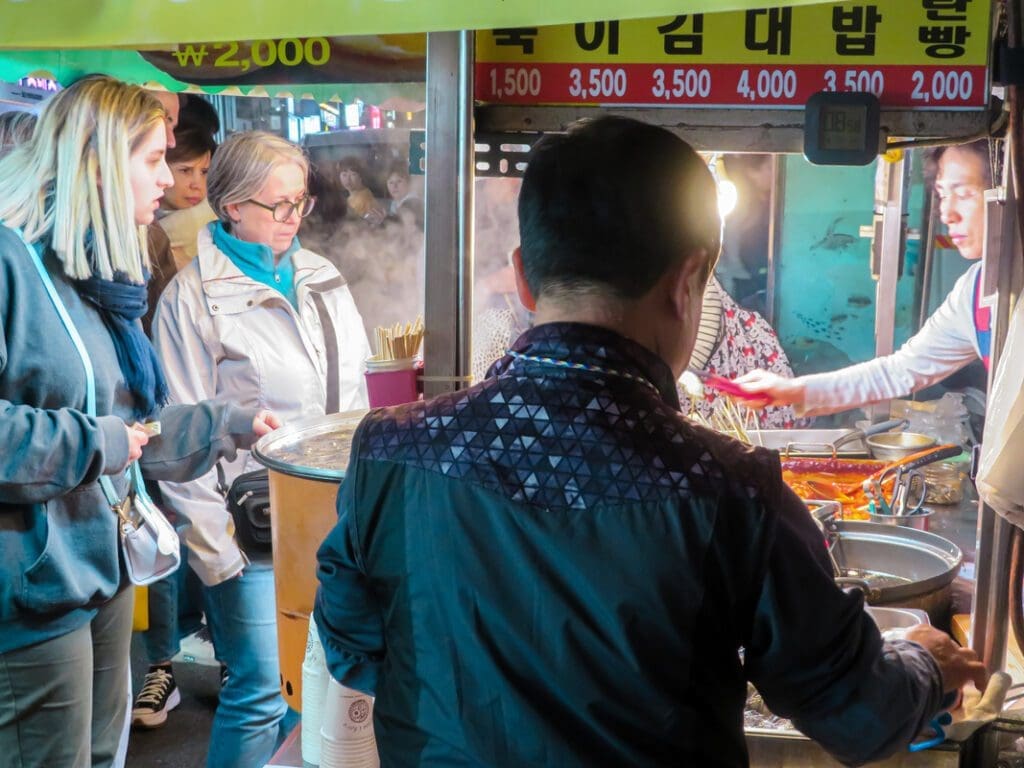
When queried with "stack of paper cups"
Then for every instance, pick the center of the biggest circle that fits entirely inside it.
(346, 733)
(314, 691)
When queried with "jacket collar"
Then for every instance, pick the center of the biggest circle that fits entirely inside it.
(590, 347)
(255, 259)
(221, 277)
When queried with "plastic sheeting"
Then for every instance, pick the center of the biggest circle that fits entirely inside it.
(33, 24)
(1000, 480)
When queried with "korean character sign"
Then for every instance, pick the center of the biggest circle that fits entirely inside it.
(855, 27)
(911, 54)
(945, 33)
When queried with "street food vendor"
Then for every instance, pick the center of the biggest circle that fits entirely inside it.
(556, 567)
(956, 334)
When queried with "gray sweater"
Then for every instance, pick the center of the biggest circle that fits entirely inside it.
(59, 553)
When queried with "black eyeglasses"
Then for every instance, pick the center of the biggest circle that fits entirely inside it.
(282, 211)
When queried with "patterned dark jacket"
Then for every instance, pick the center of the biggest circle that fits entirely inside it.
(555, 568)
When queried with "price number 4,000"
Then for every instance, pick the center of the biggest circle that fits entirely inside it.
(770, 84)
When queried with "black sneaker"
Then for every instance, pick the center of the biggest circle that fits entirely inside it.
(159, 695)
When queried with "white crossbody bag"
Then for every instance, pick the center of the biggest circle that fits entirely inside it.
(149, 543)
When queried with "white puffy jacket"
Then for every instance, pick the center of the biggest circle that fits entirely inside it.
(222, 335)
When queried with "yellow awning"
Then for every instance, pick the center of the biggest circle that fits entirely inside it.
(35, 24)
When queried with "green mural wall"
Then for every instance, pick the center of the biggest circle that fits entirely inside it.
(824, 295)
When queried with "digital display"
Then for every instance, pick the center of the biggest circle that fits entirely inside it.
(842, 127)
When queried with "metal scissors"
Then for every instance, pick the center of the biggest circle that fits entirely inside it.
(909, 488)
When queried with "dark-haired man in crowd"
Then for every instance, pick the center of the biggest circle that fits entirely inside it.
(554, 567)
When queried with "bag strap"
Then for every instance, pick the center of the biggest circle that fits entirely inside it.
(222, 482)
(333, 403)
(83, 353)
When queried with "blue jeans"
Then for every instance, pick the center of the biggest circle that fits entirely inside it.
(250, 722)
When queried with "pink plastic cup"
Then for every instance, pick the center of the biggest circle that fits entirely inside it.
(391, 382)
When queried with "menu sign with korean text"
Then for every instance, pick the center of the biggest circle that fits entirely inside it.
(912, 54)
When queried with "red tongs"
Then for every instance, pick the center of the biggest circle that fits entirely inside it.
(729, 387)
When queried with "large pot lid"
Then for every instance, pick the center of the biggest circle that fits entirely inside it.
(316, 448)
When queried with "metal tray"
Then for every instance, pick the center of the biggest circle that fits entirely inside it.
(808, 442)
(316, 447)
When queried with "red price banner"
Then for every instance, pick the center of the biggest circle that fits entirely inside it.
(728, 85)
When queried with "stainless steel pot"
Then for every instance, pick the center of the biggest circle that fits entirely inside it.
(896, 566)
(845, 443)
(307, 460)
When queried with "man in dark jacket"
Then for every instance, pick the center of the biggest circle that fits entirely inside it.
(555, 568)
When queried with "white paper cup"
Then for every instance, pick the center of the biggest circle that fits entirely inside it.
(348, 754)
(348, 714)
(314, 692)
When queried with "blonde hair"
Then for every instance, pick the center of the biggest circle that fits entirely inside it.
(51, 185)
(15, 128)
(242, 165)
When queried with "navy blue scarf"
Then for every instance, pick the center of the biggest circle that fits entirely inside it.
(121, 303)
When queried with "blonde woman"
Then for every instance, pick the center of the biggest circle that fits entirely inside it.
(254, 319)
(79, 193)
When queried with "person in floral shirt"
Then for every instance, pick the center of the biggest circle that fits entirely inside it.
(732, 341)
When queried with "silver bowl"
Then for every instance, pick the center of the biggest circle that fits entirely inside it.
(892, 446)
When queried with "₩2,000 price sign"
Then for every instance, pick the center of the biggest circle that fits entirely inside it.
(728, 85)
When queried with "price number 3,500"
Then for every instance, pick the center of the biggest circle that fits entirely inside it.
(685, 84)
(597, 83)
(863, 80)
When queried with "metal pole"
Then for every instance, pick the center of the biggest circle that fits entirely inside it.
(467, 167)
(775, 213)
(927, 258)
(992, 589)
(888, 256)
(449, 205)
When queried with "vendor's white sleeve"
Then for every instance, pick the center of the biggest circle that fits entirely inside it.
(191, 372)
(946, 343)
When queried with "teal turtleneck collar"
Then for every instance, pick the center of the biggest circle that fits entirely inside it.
(257, 261)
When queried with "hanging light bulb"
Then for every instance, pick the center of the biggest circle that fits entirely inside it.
(727, 197)
(728, 194)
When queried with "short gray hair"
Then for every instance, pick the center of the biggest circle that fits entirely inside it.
(242, 165)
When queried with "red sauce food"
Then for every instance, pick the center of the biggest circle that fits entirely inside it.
(832, 480)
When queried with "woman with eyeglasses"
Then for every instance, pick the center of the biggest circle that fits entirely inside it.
(956, 334)
(254, 318)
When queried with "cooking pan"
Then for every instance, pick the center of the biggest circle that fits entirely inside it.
(835, 443)
(895, 566)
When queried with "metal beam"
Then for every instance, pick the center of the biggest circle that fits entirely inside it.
(449, 204)
(727, 130)
(887, 256)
